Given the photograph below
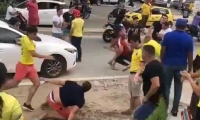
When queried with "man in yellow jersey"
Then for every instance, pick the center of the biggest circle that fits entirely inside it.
(9, 105)
(146, 12)
(25, 67)
(76, 33)
(156, 45)
(135, 66)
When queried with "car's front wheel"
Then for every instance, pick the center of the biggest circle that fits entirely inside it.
(53, 68)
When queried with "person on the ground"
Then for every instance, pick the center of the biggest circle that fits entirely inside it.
(10, 13)
(196, 21)
(121, 48)
(156, 45)
(165, 29)
(68, 99)
(156, 27)
(152, 77)
(15, 22)
(196, 88)
(67, 17)
(135, 29)
(25, 67)
(10, 108)
(76, 33)
(176, 55)
(58, 23)
(135, 66)
(146, 12)
(33, 17)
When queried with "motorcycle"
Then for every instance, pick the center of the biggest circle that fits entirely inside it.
(86, 14)
(108, 33)
(194, 32)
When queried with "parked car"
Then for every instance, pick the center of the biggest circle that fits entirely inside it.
(10, 53)
(47, 9)
(155, 16)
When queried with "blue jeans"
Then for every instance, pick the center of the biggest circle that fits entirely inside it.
(144, 111)
(171, 72)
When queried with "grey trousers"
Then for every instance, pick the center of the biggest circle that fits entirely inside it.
(57, 35)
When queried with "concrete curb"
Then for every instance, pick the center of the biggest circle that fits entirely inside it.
(86, 30)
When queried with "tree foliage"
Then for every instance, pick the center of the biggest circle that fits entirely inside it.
(160, 113)
(3, 7)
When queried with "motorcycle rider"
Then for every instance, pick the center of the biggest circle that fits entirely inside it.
(84, 4)
(11, 12)
(120, 16)
(196, 21)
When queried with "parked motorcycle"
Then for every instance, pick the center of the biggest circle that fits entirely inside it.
(108, 33)
(194, 31)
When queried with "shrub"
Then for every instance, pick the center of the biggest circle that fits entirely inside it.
(160, 113)
(3, 8)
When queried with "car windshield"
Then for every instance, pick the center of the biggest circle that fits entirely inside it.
(24, 32)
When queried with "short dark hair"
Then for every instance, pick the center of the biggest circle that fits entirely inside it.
(32, 29)
(135, 38)
(164, 15)
(149, 49)
(135, 17)
(86, 86)
(59, 8)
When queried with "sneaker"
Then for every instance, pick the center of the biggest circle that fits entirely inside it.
(27, 107)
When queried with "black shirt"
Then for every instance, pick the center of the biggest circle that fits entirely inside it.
(135, 31)
(153, 69)
(72, 94)
(157, 27)
(68, 18)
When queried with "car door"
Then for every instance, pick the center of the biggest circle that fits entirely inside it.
(9, 52)
(43, 12)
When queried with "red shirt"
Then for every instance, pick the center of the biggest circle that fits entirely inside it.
(126, 50)
(33, 18)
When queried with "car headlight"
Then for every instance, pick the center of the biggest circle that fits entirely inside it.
(71, 50)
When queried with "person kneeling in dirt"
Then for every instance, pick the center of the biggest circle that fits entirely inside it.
(68, 99)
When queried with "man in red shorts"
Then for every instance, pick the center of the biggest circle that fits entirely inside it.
(33, 17)
(68, 99)
(25, 67)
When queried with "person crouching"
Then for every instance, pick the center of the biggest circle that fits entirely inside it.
(68, 99)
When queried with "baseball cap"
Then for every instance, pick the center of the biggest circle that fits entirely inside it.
(77, 13)
(181, 22)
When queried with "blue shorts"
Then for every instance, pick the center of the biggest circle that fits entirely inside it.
(65, 32)
(143, 111)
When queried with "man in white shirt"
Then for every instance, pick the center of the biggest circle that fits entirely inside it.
(58, 24)
(11, 12)
(165, 29)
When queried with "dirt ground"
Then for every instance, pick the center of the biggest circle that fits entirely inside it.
(101, 103)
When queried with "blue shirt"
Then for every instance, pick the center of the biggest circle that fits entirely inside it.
(178, 44)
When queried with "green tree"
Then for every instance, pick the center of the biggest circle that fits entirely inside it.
(160, 113)
(3, 8)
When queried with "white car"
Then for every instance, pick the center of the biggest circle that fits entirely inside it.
(47, 9)
(10, 53)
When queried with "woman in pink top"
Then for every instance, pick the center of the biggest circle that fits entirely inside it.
(33, 18)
